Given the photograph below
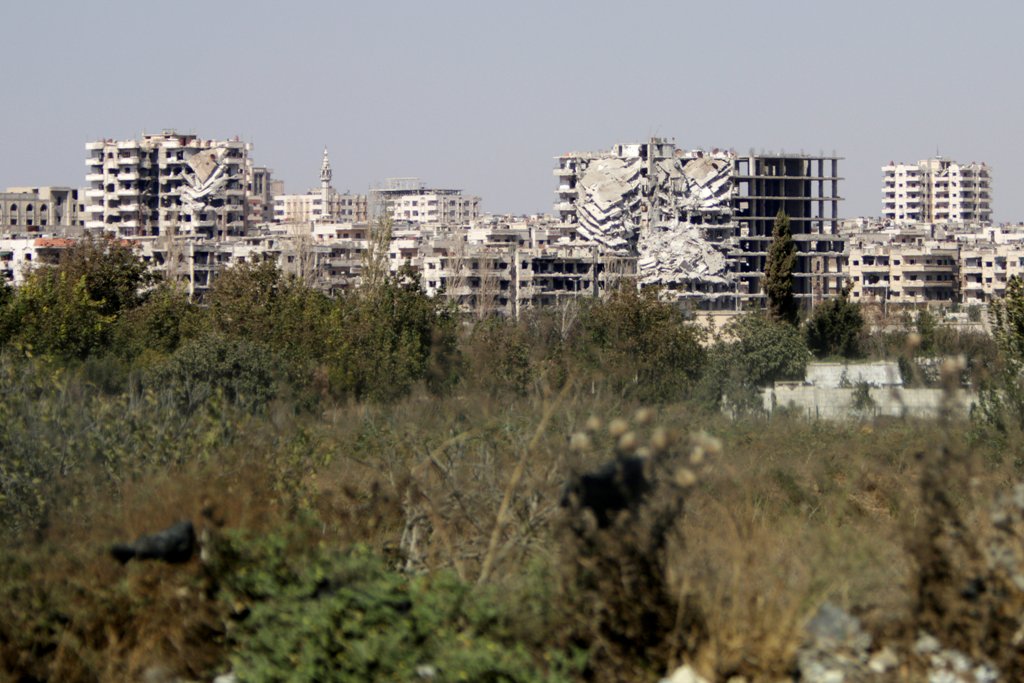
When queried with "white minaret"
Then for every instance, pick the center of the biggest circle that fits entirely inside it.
(325, 189)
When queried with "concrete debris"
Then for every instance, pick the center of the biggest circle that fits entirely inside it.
(947, 665)
(658, 208)
(206, 175)
(836, 648)
(611, 201)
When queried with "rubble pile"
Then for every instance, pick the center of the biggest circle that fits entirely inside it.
(610, 209)
(659, 210)
(205, 175)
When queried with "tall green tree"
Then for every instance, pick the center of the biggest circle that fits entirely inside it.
(778, 272)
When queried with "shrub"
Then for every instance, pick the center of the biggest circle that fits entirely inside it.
(343, 616)
(645, 348)
(834, 328)
(241, 370)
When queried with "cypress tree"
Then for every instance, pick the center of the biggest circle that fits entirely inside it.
(778, 272)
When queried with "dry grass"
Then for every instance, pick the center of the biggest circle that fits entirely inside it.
(787, 515)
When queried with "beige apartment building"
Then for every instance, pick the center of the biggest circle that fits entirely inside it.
(39, 209)
(937, 190)
(309, 208)
(904, 273)
(986, 268)
(971, 271)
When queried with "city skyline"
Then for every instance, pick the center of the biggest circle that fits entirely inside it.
(483, 98)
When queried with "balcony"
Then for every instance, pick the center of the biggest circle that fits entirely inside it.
(929, 268)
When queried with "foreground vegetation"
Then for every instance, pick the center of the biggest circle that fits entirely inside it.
(378, 487)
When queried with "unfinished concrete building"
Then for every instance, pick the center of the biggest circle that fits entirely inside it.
(699, 223)
(806, 188)
(168, 183)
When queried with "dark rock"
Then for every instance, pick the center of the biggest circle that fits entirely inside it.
(174, 544)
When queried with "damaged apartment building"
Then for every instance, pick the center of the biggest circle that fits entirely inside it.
(699, 223)
(169, 183)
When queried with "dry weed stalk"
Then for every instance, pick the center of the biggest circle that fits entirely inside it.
(513, 482)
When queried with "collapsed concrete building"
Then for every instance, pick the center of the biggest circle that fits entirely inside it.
(700, 223)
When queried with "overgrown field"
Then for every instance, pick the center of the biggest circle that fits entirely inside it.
(380, 490)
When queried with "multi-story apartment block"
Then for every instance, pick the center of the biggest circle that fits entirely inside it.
(985, 270)
(168, 183)
(408, 199)
(904, 273)
(937, 190)
(308, 208)
(39, 209)
(700, 222)
(320, 205)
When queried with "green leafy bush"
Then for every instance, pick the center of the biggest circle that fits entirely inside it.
(328, 615)
(645, 348)
(835, 327)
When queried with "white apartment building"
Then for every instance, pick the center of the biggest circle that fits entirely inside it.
(168, 183)
(937, 190)
(320, 205)
(308, 208)
(408, 199)
(18, 255)
(39, 209)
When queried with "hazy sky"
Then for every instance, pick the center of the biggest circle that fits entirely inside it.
(481, 95)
